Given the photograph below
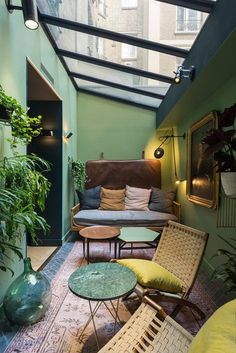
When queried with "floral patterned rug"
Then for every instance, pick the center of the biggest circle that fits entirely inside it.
(59, 331)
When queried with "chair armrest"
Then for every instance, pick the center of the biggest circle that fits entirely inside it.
(176, 210)
(74, 210)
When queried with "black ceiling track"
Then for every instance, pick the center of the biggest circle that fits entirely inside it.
(117, 85)
(116, 99)
(114, 36)
(199, 5)
(110, 65)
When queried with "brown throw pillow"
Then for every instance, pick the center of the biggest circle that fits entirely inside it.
(112, 199)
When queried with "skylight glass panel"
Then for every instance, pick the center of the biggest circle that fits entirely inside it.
(117, 76)
(113, 51)
(116, 93)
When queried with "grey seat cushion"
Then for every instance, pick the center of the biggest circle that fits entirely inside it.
(123, 218)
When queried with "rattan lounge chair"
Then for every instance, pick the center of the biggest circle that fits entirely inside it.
(148, 330)
(180, 251)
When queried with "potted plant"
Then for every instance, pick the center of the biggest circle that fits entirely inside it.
(79, 174)
(24, 127)
(222, 145)
(23, 190)
(226, 271)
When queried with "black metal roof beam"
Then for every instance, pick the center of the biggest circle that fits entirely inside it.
(114, 66)
(115, 36)
(116, 99)
(199, 5)
(117, 85)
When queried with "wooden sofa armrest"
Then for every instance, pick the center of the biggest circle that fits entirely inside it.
(75, 227)
(176, 210)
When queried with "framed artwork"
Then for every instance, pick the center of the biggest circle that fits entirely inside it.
(203, 180)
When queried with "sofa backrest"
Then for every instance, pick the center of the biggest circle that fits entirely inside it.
(140, 173)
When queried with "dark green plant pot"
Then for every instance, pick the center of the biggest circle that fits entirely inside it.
(28, 297)
(4, 115)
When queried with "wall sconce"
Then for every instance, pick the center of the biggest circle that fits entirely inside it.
(159, 151)
(68, 135)
(45, 132)
(183, 72)
(30, 12)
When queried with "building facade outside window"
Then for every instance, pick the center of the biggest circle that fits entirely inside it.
(129, 4)
(128, 52)
(102, 7)
(188, 20)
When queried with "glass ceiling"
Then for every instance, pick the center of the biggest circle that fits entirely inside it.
(126, 49)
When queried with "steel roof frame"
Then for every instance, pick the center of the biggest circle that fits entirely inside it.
(120, 100)
(199, 5)
(111, 65)
(117, 85)
(114, 36)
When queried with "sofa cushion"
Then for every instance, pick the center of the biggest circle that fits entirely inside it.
(90, 198)
(162, 200)
(137, 198)
(123, 218)
(217, 335)
(112, 199)
(152, 275)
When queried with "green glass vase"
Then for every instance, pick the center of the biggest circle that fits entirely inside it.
(28, 297)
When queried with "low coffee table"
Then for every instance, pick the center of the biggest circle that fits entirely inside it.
(101, 282)
(99, 233)
(137, 235)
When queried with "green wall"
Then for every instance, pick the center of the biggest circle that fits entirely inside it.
(120, 131)
(17, 43)
(192, 214)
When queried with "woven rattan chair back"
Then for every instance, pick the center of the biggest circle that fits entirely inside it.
(180, 251)
(148, 331)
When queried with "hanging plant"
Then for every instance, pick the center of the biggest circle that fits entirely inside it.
(79, 174)
(24, 127)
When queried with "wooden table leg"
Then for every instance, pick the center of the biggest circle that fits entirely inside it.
(88, 250)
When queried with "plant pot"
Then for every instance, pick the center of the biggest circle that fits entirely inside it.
(228, 180)
(4, 116)
(28, 297)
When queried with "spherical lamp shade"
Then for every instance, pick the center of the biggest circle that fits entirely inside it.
(159, 152)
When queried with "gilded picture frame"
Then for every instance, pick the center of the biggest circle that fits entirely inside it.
(202, 180)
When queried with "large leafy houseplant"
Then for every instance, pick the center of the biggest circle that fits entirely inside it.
(221, 143)
(226, 271)
(24, 127)
(23, 190)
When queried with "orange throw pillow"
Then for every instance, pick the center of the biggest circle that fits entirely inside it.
(112, 199)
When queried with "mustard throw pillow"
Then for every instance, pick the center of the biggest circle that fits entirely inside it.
(218, 334)
(152, 275)
(112, 199)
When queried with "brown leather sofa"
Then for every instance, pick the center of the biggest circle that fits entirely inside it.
(143, 173)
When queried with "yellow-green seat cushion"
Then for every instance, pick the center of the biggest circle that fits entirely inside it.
(152, 275)
(218, 334)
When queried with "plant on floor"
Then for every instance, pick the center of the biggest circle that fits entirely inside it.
(23, 190)
(79, 174)
(24, 127)
(227, 270)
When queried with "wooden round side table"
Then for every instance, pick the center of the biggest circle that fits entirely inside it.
(102, 233)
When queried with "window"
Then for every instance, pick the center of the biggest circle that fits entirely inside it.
(188, 20)
(128, 52)
(100, 47)
(129, 4)
(102, 7)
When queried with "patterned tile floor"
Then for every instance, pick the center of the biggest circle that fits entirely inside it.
(8, 331)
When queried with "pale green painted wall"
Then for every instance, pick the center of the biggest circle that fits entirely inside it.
(193, 214)
(118, 130)
(17, 43)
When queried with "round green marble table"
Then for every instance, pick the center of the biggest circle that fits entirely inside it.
(102, 281)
